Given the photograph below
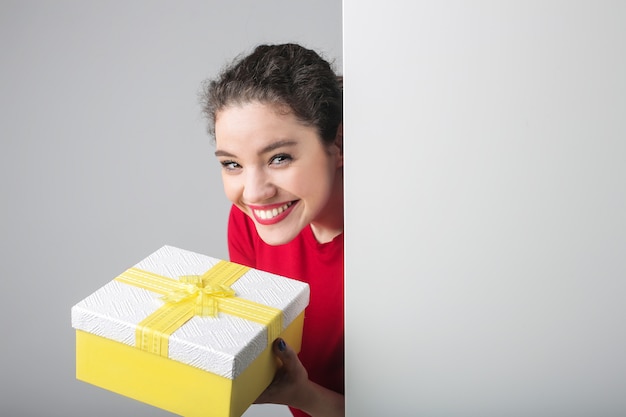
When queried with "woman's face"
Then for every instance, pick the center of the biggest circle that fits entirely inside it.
(276, 169)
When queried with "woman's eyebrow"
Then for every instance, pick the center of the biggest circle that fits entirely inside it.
(224, 153)
(269, 148)
(276, 145)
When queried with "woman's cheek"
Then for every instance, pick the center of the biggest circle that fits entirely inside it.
(230, 188)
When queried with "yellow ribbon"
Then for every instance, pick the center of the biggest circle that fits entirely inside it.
(202, 295)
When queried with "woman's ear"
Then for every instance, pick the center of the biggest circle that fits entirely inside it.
(339, 144)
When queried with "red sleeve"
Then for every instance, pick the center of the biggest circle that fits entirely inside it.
(241, 236)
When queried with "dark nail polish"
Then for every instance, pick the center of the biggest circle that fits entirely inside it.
(281, 345)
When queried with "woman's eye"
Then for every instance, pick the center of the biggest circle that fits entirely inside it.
(280, 159)
(229, 165)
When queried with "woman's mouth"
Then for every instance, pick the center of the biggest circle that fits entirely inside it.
(272, 214)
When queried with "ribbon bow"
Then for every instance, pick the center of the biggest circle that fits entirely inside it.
(202, 295)
(199, 289)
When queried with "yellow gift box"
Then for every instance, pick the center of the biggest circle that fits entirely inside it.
(187, 333)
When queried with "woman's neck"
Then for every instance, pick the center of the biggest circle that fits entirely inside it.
(329, 224)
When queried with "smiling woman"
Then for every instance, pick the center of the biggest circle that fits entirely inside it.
(278, 172)
(276, 116)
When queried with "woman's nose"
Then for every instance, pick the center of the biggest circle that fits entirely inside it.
(257, 187)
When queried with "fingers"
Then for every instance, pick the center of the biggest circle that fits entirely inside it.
(290, 368)
(290, 378)
(275, 391)
(284, 353)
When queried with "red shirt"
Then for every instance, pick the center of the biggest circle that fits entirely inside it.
(321, 266)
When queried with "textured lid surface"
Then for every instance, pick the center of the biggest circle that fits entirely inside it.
(224, 345)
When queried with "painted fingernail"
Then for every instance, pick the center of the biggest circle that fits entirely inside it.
(281, 345)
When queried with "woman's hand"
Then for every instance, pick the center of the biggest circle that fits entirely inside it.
(291, 386)
(290, 379)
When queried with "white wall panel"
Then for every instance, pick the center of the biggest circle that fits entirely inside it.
(486, 192)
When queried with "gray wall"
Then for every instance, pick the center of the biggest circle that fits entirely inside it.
(105, 158)
(486, 208)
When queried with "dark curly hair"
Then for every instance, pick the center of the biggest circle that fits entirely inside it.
(286, 75)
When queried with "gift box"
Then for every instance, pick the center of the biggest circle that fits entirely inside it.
(187, 333)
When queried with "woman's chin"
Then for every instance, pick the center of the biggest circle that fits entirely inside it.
(275, 237)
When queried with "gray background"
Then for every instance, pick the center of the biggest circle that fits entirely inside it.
(105, 158)
(486, 208)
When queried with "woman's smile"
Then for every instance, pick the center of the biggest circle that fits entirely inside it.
(272, 213)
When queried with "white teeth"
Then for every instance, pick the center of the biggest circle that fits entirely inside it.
(270, 214)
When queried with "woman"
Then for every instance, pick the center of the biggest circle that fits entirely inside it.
(276, 116)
